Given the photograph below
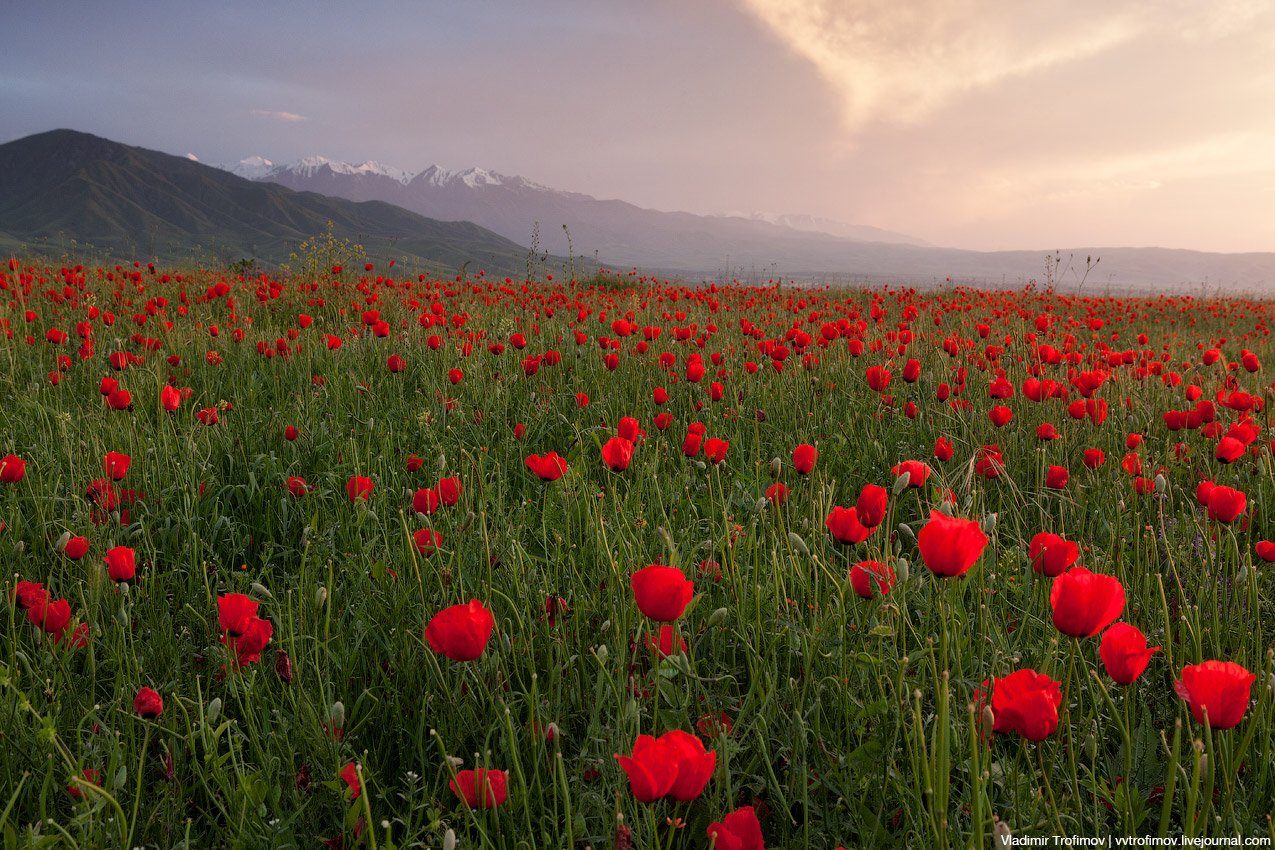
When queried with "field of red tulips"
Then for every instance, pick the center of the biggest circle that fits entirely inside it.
(377, 559)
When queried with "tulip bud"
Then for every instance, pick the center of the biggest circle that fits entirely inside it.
(214, 710)
(718, 617)
(336, 715)
(776, 467)
(901, 483)
(989, 524)
(320, 596)
(797, 543)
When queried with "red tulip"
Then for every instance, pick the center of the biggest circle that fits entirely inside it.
(617, 454)
(494, 784)
(1095, 458)
(1051, 555)
(1219, 687)
(1085, 603)
(460, 632)
(871, 505)
(1124, 652)
(1026, 702)
(804, 457)
(662, 593)
(1056, 477)
(550, 467)
(950, 546)
(739, 830)
(845, 526)
(290, 433)
(148, 703)
(121, 563)
(871, 578)
(942, 450)
(12, 469)
(1000, 415)
(358, 488)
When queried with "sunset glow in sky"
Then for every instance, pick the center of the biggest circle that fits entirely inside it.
(972, 123)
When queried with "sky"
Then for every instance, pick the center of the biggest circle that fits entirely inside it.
(985, 124)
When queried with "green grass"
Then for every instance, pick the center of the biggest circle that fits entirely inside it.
(852, 719)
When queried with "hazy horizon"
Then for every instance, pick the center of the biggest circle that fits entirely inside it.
(966, 124)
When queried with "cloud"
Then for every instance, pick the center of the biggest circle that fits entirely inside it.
(897, 62)
(279, 116)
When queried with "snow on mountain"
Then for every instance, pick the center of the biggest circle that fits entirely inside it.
(252, 168)
(311, 165)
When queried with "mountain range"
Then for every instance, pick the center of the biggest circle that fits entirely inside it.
(63, 191)
(64, 186)
(752, 246)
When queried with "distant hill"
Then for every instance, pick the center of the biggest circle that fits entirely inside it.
(753, 246)
(131, 202)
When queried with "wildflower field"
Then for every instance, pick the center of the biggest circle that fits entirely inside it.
(375, 559)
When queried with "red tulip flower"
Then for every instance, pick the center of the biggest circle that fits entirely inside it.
(1056, 477)
(739, 830)
(1094, 458)
(1124, 652)
(1026, 702)
(675, 765)
(1219, 687)
(121, 563)
(425, 501)
(1085, 603)
(942, 449)
(460, 632)
(148, 703)
(715, 449)
(950, 546)
(493, 785)
(170, 399)
(662, 593)
(617, 454)
(449, 491)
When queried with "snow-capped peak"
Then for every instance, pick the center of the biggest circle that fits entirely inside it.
(310, 165)
(252, 168)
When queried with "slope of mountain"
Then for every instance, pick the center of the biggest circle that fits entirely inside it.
(131, 202)
(755, 246)
(620, 231)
